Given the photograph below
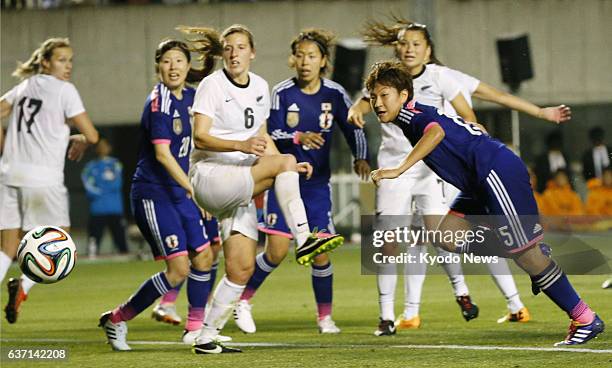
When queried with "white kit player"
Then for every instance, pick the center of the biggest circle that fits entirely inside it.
(234, 160)
(32, 190)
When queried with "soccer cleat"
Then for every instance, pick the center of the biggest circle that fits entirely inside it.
(406, 324)
(166, 313)
(607, 284)
(16, 296)
(469, 310)
(521, 316)
(116, 333)
(385, 328)
(213, 347)
(315, 245)
(243, 317)
(189, 337)
(581, 333)
(327, 326)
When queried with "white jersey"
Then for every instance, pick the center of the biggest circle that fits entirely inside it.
(37, 134)
(432, 87)
(237, 112)
(468, 85)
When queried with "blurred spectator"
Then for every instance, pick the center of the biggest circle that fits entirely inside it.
(597, 157)
(561, 197)
(103, 181)
(552, 160)
(599, 200)
(543, 206)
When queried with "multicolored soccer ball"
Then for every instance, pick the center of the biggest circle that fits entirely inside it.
(46, 254)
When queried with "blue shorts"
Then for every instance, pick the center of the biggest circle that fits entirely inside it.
(504, 202)
(172, 226)
(212, 229)
(317, 201)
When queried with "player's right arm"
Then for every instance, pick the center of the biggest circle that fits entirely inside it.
(203, 140)
(358, 111)
(5, 110)
(164, 156)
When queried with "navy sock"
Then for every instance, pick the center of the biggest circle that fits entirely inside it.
(322, 285)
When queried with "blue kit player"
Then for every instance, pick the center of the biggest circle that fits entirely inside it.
(305, 109)
(162, 201)
(493, 182)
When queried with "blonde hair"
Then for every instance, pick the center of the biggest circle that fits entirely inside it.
(206, 42)
(34, 64)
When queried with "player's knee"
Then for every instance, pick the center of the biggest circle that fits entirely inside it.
(177, 272)
(288, 163)
(203, 260)
(239, 273)
(276, 255)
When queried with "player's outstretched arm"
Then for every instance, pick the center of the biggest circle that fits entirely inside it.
(555, 114)
(432, 137)
(357, 112)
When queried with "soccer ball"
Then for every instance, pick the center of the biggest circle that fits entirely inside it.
(46, 254)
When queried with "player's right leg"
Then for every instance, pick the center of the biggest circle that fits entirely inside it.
(280, 171)
(11, 221)
(160, 224)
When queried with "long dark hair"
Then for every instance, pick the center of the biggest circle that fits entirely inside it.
(389, 34)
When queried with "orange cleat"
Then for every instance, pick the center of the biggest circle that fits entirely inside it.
(407, 324)
(521, 316)
(16, 297)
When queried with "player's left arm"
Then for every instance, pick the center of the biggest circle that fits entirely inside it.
(355, 138)
(428, 142)
(555, 114)
(5, 110)
(88, 135)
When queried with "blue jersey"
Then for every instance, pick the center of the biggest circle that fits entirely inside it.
(165, 120)
(103, 179)
(464, 157)
(294, 111)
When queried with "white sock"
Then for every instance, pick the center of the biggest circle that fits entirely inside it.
(26, 283)
(387, 280)
(224, 299)
(414, 277)
(455, 275)
(287, 189)
(502, 277)
(5, 263)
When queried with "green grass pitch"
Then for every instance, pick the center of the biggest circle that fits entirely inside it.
(65, 315)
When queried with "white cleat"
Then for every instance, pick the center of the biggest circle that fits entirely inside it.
(116, 333)
(166, 313)
(243, 317)
(327, 326)
(189, 337)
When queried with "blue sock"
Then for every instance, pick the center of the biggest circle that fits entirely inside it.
(553, 282)
(322, 285)
(198, 287)
(148, 292)
(263, 267)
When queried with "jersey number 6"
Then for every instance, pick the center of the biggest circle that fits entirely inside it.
(249, 118)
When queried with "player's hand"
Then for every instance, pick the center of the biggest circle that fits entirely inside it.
(556, 114)
(255, 145)
(380, 174)
(362, 169)
(78, 146)
(305, 168)
(311, 140)
(355, 117)
(190, 193)
(481, 127)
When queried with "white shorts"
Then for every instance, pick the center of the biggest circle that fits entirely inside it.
(226, 191)
(396, 197)
(26, 208)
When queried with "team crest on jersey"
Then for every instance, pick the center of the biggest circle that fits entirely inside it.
(293, 115)
(172, 241)
(326, 118)
(177, 124)
(271, 219)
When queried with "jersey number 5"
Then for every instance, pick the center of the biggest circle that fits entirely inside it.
(35, 105)
(249, 118)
